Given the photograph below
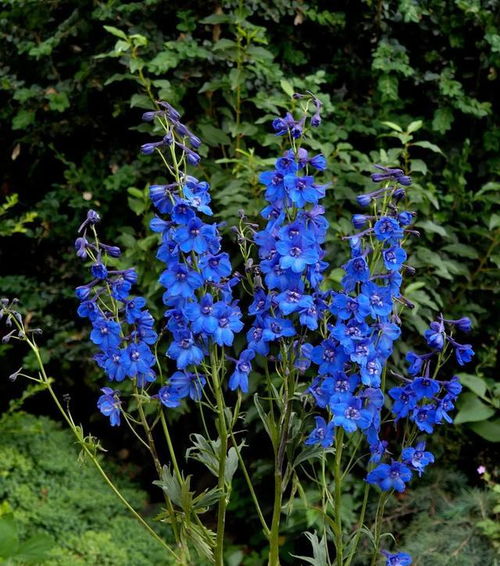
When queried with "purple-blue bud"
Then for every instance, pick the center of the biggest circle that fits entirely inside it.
(359, 220)
(83, 292)
(81, 247)
(149, 116)
(364, 200)
(404, 180)
(398, 194)
(464, 324)
(172, 112)
(194, 141)
(192, 157)
(113, 251)
(405, 218)
(315, 120)
(148, 148)
(93, 217)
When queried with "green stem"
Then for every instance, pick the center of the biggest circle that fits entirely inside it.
(274, 558)
(76, 431)
(338, 497)
(221, 511)
(378, 527)
(357, 536)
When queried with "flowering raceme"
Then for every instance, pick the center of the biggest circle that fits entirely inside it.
(333, 347)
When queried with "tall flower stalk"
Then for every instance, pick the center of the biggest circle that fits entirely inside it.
(325, 354)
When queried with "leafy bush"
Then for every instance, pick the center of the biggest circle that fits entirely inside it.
(52, 493)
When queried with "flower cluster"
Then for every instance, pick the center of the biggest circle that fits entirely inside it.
(122, 327)
(197, 275)
(287, 295)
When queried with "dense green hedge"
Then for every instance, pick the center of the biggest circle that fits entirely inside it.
(49, 491)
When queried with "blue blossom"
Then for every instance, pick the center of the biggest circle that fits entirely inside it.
(215, 267)
(390, 476)
(394, 258)
(425, 388)
(435, 336)
(387, 229)
(105, 333)
(417, 458)
(109, 405)
(322, 434)
(185, 350)
(379, 299)
(239, 378)
(463, 352)
(405, 401)
(188, 384)
(275, 328)
(228, 322)
(180, 280)
(137, 359)
(169, 396)
(351, 415)
(201, 315)
(398, 559)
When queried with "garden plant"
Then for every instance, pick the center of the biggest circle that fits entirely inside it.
(307, 353)
(292, 266)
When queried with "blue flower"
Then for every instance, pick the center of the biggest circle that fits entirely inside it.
(137, 359)
(99, 270)
(393, 476)
(322, 434)
(379, 298)
(405, 400)
(425, 418)
(302, 190)
(463, 352)
(179, 280)
(169, 396)
(297, 253)
(435, 335)
(188, 383)
(351, 415)
(415, 362)
(387, 229)
(228, 322)
(185, 350)
(293, 300)
(112, 363)
(425, 388)
(133, 308)
(239, 378)
(394, 258)
(398, 559)
(417, 458)
(109, 405)
(105, 333)
(275, 328)
(215, 267)
(201, 315)
(197, 236)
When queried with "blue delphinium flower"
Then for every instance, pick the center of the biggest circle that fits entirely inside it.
(109, 405)
(417, 458)
(397, 559)
(390, 476)
(239, 378)
(322, 434)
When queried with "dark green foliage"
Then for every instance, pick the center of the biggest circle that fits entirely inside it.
(52, 493)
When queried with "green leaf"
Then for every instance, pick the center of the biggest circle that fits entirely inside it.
(430, 226)
(414, 126)
(217, 19)
(494, 221)
(462, 250)
(266, 420)
(137, 206)
(35, 549)
(474, 383)
(442, 121)
(141, 101)
(116, 32)
(489, 430)
(23, 119)
(393, 126)
(9, 542)
(428, 145)
(472, 409)
(213, 136)
(58, 101)
(287, 87)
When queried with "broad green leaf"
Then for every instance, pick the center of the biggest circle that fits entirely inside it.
(428, 145)
(474, 383)
(414, 126)
(9, 542)
(217, 19)
(287, 87)
(35, 549)
(462, 250)
(393, 126)
(429, 226)
(23, 119)
(443, 119)
(116, 32)
(213, 136)
(472, 409)
(58, 101)
(489, 430)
